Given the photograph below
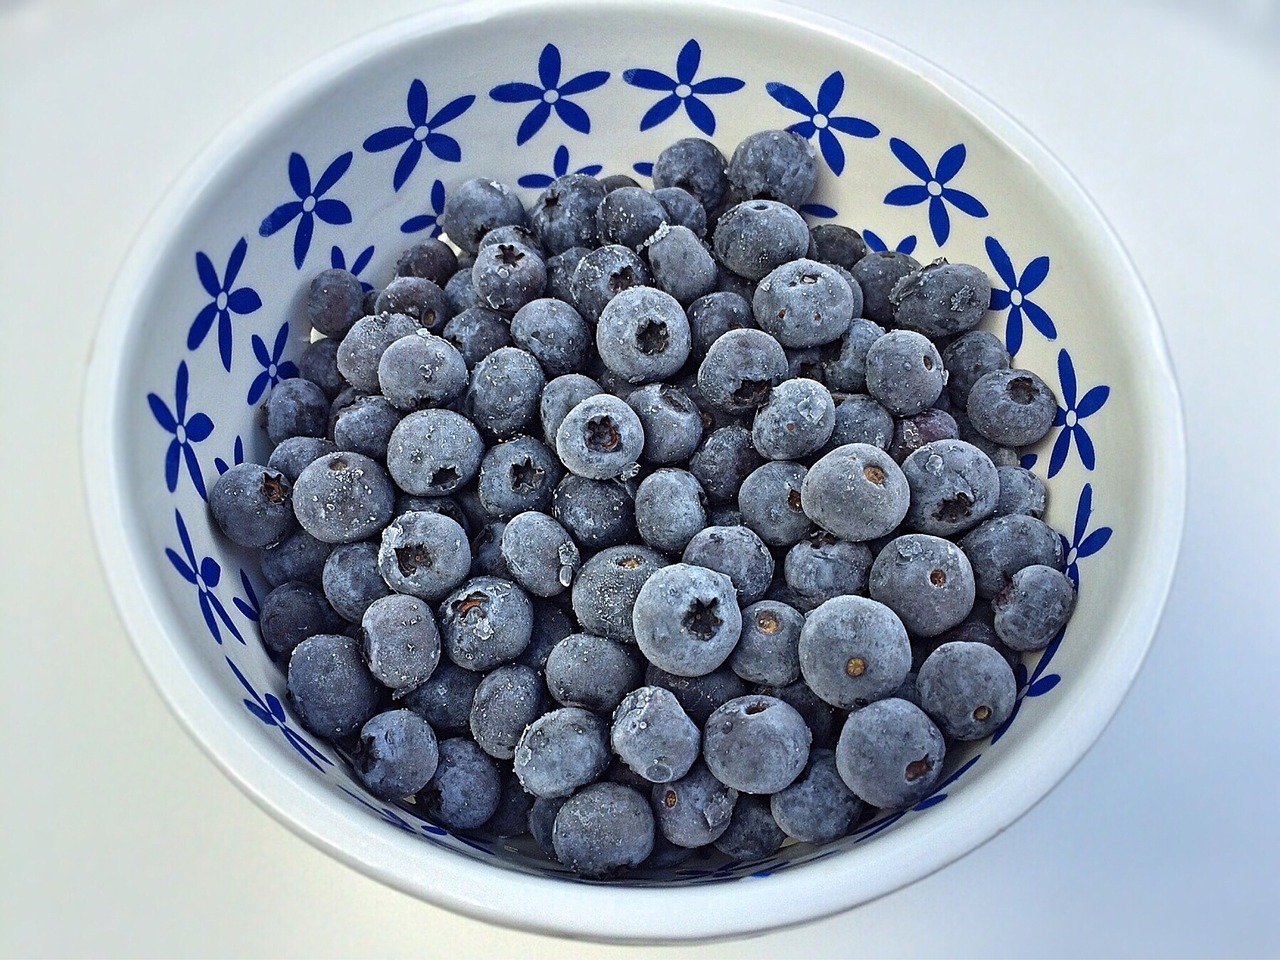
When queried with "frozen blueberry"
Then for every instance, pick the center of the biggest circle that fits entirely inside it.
(694, 165)
(756, 744)
(434, 452)
(628, 216)
(845, 364)
(769, 500)
(351, 580)
(516, 476)
(714, 315)
(604, 273)
(654, 736)
(643, 335)
(560, 396)
(444, 699)
(424, 554)
(506, 276)
(299, 556)
(460, 293)
(695, 809)
(740, 369)
(291, 613)
(927, 426)
(485, 623)
(512, 233)
(670, 508)
(739, 554)
(1001, 456)
(1001, 546)
(554, 333)
(968, 358)
(967, 688)
(291, 456)
(319, 364)
(475, 207)
(365, 426)
(819, 807)
(1012, 407)
(334, 302)
(725, 459)
(606, 589)
(343, 497)
(860, 419)
(776, 165)
(905, 372)
(362, 348)
(561, 751)
(486, 552)
(822, 718)
(853, 650)
(550, 626)
(296, 408)
(804, 303)
(836, 244)
(421, 370)
(560, 270)
(591, 672)
(1021, 491)
(253, 505)
(601, 438)
(401, 642)
(681, 263)
(821, 566)
(768, 650)
(603, 828)
(671, 422)
(502, 398)
(890, 754)
(1035, 605)
(877, 274)
(796, 420)
(511, 819)
(476, 332)
(564, 215)
(431, 259)
(418, 298)
(396, 754)
(752, 833)
(329, 685)
(941, 299)
(539, 553)
(856, 492)
(463, 792)
(596, 513)
(683, 209)
(754, 237)
(925, 580)
(506, 701)
(954, 486)
(686, 619)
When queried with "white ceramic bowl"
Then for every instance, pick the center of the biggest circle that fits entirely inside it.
(206, 313)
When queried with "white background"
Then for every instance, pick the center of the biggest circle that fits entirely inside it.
(121, 838)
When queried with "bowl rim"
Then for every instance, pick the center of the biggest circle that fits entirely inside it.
(550, 905)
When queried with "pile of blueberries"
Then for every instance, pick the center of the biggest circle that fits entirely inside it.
(647, 520)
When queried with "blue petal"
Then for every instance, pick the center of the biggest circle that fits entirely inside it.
(279, 217)
(649, 79)
(1085, 445)
(907, 196)
(282, 341)
(1092, 401)
(161, 412)
(1013, 331)
(186, 572)
(908, 157)
(387, 139)
(701, 115)
(687, 61)
(1061, 448)
(999, 299)
(416, 103)
(533, 122)
(1067, 377)
(718, 85)
(207, 612)
(362, 261)
(276, 707)
(1084, 509)
(832, 152)
(235, 262)
(939, 220)
(535, 181)
(181, 383)
(1034, 274)
(820, 210)
(560, 161)
(444, 147)
(287, 370)
(803, 128)
(200, 326)
(516, 92)
(573, 115)
(906, 245)
(950, 163)
(1040, 320)
(964, 202)
(210, 571)
(224, 339)
(208, 275)
(333, 211)
(420, 222)
(246, 299)
(258, 388)
(243, 682)
(302, 239)
(451, 111)
(299, 175)
(584, 82)
(1001, 263)
(333, 173)
(437, 197)
(660, 111)
(224, 616)
(1094, 542)
(199, 427)
(171, 465)
(590, 170)
(408, 160)
(854, 126)
(260, 712)
(874, 242)
(549, 67)
(337, 260)
(791, 98)
(1043, 685)
(644, 168)
(830, 92)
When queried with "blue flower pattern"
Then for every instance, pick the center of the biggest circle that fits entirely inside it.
(431, 219)
(820, 119)
(203, 574)
(1071, 417)
(1015, 298)
(550, 95)
(559, 168)
(237, 456)
(422, 131)
(268, 708)
(1083, 542)
(338, 261)
(227, 299)
(906, 245)
(274, 366)
(684, 89)
(310, 204)
(186, 432)
(933, 187)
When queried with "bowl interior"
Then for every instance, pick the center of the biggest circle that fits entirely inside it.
(353, 162)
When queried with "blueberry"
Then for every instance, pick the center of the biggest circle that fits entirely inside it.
(564, 215)
(954, 486)
(1000, 455)
(805, 363)
(291, 613)
(252, 505)
(401, 642)
(477, 206)
(506, 701)
(756, 744)
(477, 332)
(299, 556)
(511, 819)
(856, 492)
(681, 263)
(739, 554)
(976, 628)
(516, 476)
(596, 513)
(334, 302)
(424, 554)
(754, 237)
(434, 452)
(365, 426)
(819, 807)
(628, 216)
(444, 699)
(905, 372)
(1000, 547)
(967, 688)
(968, 358)
(796, 420)
(560, 270)
(890, 754)
(877, 274)
(319, 364)
(804, 303)
(486, 552)
(1035, 605)
(291, 456)
(821, 566)
(601, 438)
(417, 298)
(431, 259)
(941, 299)
(591, 672)
(616, 181)
(542, 820)
(463, 792)
(485, 623)
(550, 626)
(654, 736)
(861, 419)
(602, 274)
(554, 333)
(925, 580)
(725, 459)
(769, 500)
(740, 369)
(768, 650)
(540, 554)
(714, 315)
(671, 422)
(1021, 491)
(343, 497)
(502, 399)
(776, 165)
(643, 335)
(606, 589)
(421, 370)
(330, 687)
(845, 365)
(683, 209)
(853, 650)
(927, 426)
(460, 293)
(752, 833)
(351, 580)
(686, 619)
(506, 276)
(396, 754)
(512, 233)
(560, 396)
(603, 828)
(836, 244)
(693, 810)
(670, 508)
(694, 165)
(821, 717)
(561, 751)
(698, 696)
(1012, 407)
(362, 348)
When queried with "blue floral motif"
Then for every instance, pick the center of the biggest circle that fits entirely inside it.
(268, 708)
(423, 131)
(551, 95)
(227, 299)
(274, 367)
(237, 456)
(1083, 543)
(819, 210)
(906, 245)
(1037, 684)
(204, 575)
(186, 431)
(933, 187)
(644, 168)
(682, 90)
(249, 606)
(431, 219)
(1071, 416)
(311, 203)
(338, 260)
(1015, 298)
(936, 796)
(559, 168)
(819, 119)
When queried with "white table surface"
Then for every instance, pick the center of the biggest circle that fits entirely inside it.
(120, 838)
